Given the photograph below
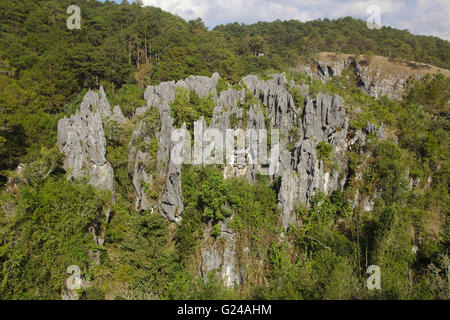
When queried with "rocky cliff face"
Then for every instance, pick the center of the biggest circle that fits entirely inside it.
(325, 70)
(82, 140)
(319, 119)
(303, 173)
(372, 83)
(301, 127)
(160, 97)
(374, 80)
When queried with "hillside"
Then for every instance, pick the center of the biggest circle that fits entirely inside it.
(44, 66)
(388, 66)
(110, 157)
(375, 75)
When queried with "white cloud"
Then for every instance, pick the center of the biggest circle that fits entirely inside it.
(428, 17)
(419, 16)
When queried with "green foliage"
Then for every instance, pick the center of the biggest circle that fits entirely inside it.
(214, 199)
(118, 138)
(208, 195)
(150, 126)
(322, 265)
(250, 100)
(144, 254)
(324, 256)
(185, 286)
(46, 221)
(297, 96)
(324, 150)
(129, 97)
(222, 85)
(275, 256)
(325, 153)
(389, 166)
(433, 91)
(403, 213)
(188, 107)
(234, 121)
(45, 229)
(288, 42)
(216, 231)
(190, 229)
(324, 276)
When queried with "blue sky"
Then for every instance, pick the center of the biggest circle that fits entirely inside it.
(429, 17)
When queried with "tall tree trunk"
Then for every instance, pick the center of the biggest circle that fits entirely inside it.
(146, 55)
(129, 51)
(137, 58)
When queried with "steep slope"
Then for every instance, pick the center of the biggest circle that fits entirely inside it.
(315, 181)
(377, 76)
(260, 104)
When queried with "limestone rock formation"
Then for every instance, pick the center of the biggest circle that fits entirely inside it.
(220, 254)
(296, 164)
(171, 202)
(117, 115)
(377, 85)
(103, 105)
(320, 119)
(141, 180)
(82, 140)
(325, 70)
(372, 80)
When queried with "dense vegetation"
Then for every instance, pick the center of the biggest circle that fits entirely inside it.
(46, 221)
(284, 42)
(44, 65)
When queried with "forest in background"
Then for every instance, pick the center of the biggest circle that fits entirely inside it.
(44, 65)
(45, 70)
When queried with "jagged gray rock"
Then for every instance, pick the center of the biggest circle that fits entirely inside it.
(172, 203)
(220, 253)
(325, 71)
(378, 131)
(372, 83)
(302, 173)
(103, 106)
(82, 140)
(141, 180)
(203, 86)
(323, 116)
(277, 100)
(117, 115)
(231, 97)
